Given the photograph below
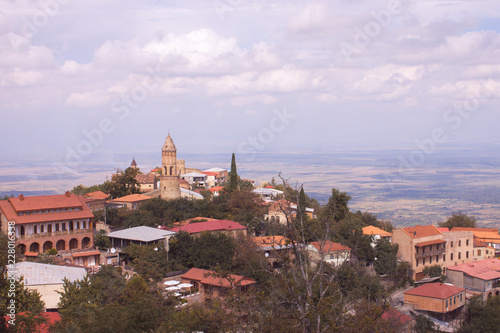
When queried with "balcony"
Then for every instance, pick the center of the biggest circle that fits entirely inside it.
(429, 253)
(55, 233)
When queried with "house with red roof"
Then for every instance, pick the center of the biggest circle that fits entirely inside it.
(376, 234)
(228, 227)
(95, 200)
(132, 201)
(439, 300)
(478, 277)
(40, 223)
(216, 190)
(210, 284)
(333, 253)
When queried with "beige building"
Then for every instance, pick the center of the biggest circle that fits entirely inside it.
(47, 279)
(482, 251)
(333, 253)
(424, 246)
(169, 179)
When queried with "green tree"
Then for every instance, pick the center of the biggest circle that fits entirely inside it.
(102, 241)
(482, 316)
(424, 325)
(336, 209)
(433, 271)
(459, 219)
(151, 261)
(122, 183)
(141, 218)
(385, 253)
(233, 176)
(212, 250)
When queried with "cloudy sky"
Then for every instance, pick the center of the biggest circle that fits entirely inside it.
(93, 77)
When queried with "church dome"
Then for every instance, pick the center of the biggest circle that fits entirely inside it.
(169, 144)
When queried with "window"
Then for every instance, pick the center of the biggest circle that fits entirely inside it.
(41, 229)
(51, 210)
(417, 263)
(430, 260)
(70, 209)
(444, 257)
(63, 226)
(446, 303)
(455, 300)
(459, 255)
(467, 242)
(467, 254)
(478, 252)
(21, 214)
(40, 212)
(57, 226)
(461, 298)
(34, 229)
(423, 261)
(58, 210)
(451, 243)
(451, 256)
(46, 211)
(437, 258)
(63, 210)
(459, 243)
(34, 212)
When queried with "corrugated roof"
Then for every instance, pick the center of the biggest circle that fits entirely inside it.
(141, 234)
(419, 231)
(40, 274)
(194, 228)
(435, 290)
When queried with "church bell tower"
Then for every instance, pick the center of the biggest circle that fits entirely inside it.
(169, 179)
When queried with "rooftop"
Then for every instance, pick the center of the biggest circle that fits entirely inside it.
(141, 234)
(419, 231)
(435, 290)
(132, 198)
(97, 195)
(328, 246)
(40, 274)
(371, 230)
(211, 278)
(487, 269)
(194, 228)
(149, 178)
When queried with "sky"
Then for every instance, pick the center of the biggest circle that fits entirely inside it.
(80, 79)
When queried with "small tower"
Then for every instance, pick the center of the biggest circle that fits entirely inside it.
(169, 179)
(133, 164)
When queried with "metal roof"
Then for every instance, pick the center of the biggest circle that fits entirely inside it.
(141, 234)
(40, 274)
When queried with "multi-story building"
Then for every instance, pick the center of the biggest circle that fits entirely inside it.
(41, 223)
(424, 246)
(482, 250)
(479, 277)
(489, 236)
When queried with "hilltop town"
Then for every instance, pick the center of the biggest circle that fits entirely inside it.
(177, 249)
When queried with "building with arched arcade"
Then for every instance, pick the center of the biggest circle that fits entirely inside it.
(40, 223)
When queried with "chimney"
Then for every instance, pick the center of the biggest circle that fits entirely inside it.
(67, 194)
(21, 197)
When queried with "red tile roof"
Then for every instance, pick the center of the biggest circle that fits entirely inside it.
(86, 254)
(419, 231)
(216, 188)
(194, 228)
(435, 290)
(10, 208)
(329, 246)
(487, 269)
(394, 316)
(209, 277)
(132, 198)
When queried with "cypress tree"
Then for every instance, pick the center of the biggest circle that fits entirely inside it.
(233, 179)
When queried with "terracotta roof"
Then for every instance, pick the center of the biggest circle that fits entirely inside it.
(329, 246)
(198, 218)
(48, 202)
(490, 234)
(435, 290)
(86, 254)
(394, 316)
(216, 188)
(31, 254)
(98, 195)
(432, 242)
(209, 277)
(419, 231)
(486, 269)
(478, 243)
(149, 178)
(443, 229)
(194, 228)
(132, 198)
(371, 230)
